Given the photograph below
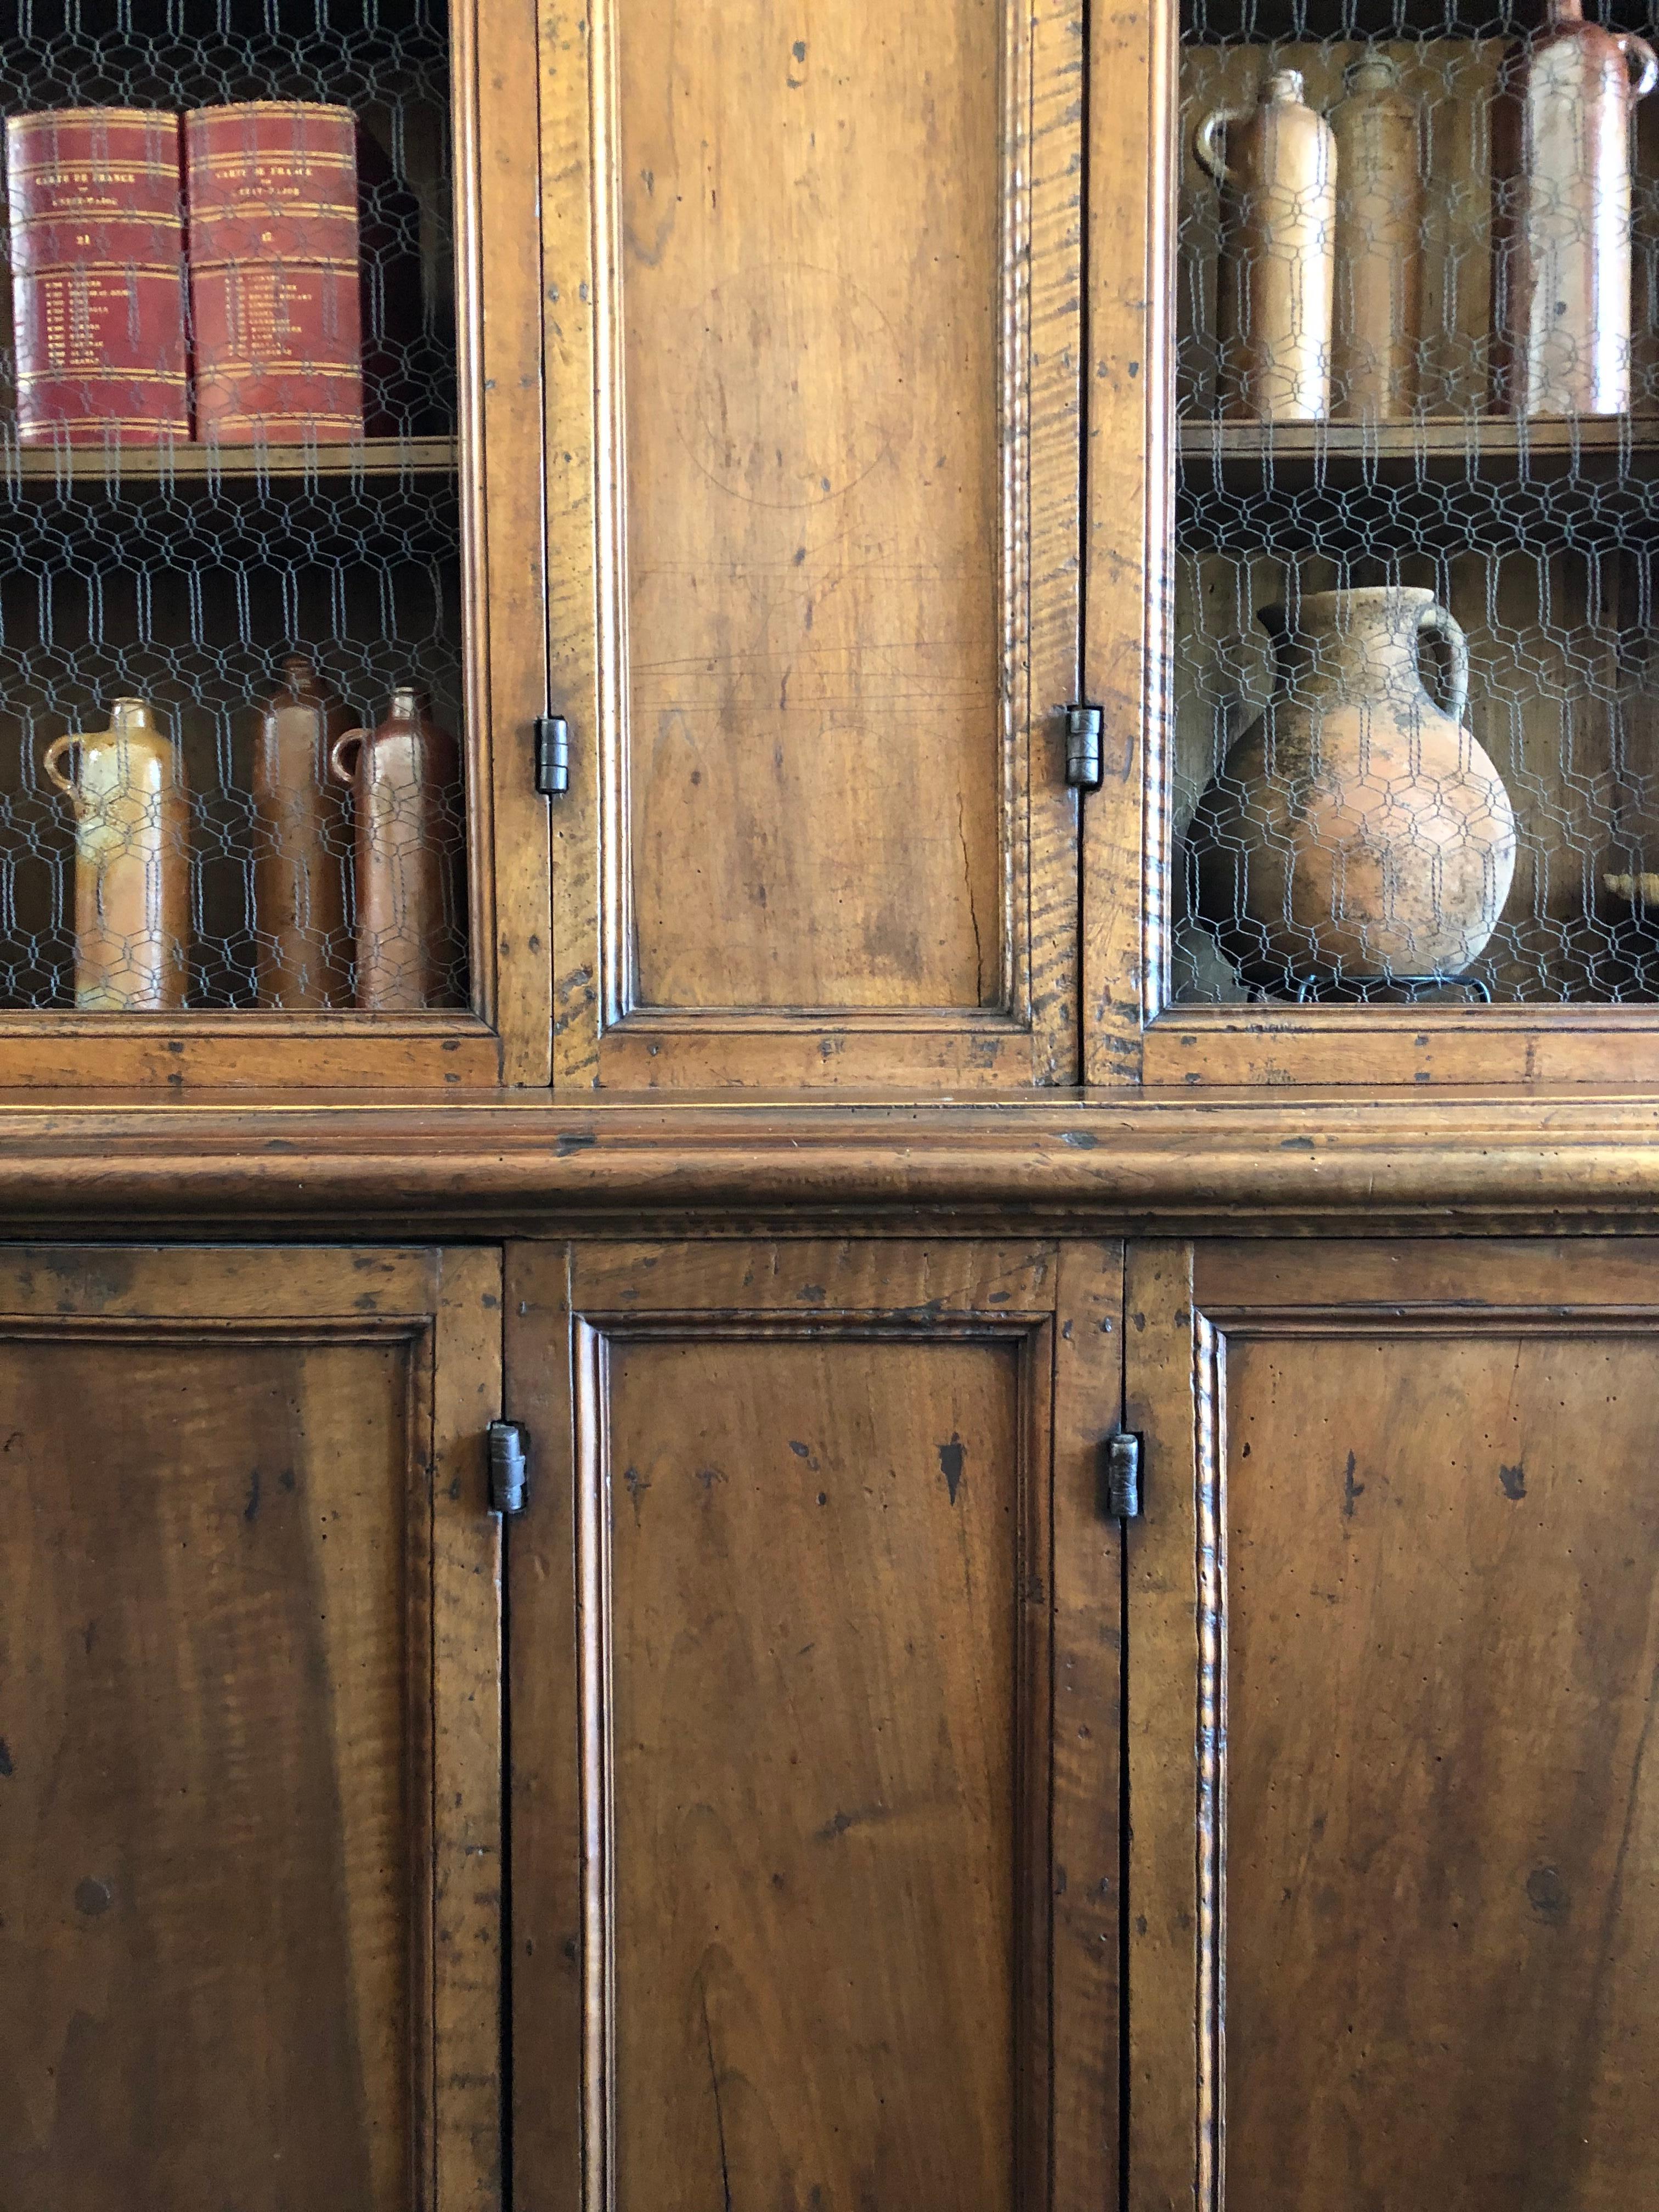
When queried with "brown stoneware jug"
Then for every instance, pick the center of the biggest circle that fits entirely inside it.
(1561, 216)
(131, 862)
(1356, 832)
(405, 774)
(1277, 256)
(1379, 246)
(302, 832)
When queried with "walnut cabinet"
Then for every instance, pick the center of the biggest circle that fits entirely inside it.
(814, 1795)
(789, 424)
(840, 1128)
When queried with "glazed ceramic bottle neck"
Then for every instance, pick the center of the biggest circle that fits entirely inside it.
(132, 717)
(1376, 73)
(1559, 12)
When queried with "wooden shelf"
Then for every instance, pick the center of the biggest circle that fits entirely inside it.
(117, 464)
(1600, 446)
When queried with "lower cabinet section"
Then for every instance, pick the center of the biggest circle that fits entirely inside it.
(815, 1766)
(830, 1682)
(1393, 1621)
(250, 1674)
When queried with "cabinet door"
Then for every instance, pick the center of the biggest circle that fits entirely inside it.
(813, 311)
(1394, 1621)
(815, 1754)
(249, 1699)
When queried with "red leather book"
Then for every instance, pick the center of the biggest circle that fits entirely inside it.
(276, 314)
(98, 290)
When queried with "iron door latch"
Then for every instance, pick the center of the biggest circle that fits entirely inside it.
(1122, 1457)
(552, 755)
(1083, 726)
(506, 1467)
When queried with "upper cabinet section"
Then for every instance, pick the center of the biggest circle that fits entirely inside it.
(271, 546)
(1396, 515)
(814, 306)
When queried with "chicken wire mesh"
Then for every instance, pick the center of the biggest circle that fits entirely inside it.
(1415, 731)
(190, 850)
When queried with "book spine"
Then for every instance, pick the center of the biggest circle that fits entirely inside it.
(97, 256)
(276, 306)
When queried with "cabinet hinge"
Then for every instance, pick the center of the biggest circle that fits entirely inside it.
(1084, 726)
(506, 1467)
(552, 755)
(1123, 1475)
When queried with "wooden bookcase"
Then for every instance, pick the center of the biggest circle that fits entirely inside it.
(823, 1784)
(188, 568)
(1538, 535)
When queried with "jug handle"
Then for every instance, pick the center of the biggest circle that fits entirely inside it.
(1435, 622)
(49, 761)
(1209, 155)
(1633, 48)
(336, 751)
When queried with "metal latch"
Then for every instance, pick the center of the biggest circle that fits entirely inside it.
(506, 1467)
(1123, 1475)
(1084, 726)
(552, 755)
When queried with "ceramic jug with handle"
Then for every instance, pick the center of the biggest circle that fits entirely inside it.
(131, 861)
(1561, 216)
(1356, 832)
(406, 774)
(1278, 175)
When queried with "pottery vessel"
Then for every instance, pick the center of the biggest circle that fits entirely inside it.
(1561, 216)
(1278, 177)
(302, 842)
(1356, 832)
(131, 862)
(405, 774)
(1379, 246)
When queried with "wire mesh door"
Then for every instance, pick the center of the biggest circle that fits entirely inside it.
(1416, 728)
(230, 509)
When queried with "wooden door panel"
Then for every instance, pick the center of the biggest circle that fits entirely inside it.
(1420, 1537)
(248, 1684)
(848, 1644)
(816, 392)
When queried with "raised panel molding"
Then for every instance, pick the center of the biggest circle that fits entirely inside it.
(906, 820)
(252, 1666)
(844, 1692)
(1193, 1314)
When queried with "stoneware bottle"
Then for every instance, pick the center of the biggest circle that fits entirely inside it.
(302, 821)
(1561, 216)
(131, 862)
(1379, 246)
(1356, 832)
(406, 774)
(1278, 177)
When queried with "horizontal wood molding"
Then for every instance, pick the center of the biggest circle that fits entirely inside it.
(1314, 1163)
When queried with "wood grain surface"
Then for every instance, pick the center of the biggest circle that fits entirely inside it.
(828, 531)
(1400, 1557)
(229, 1916)
(792, 1933)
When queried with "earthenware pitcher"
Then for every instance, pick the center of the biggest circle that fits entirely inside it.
(1356, 832)
(1277, 178)
(131, 861)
